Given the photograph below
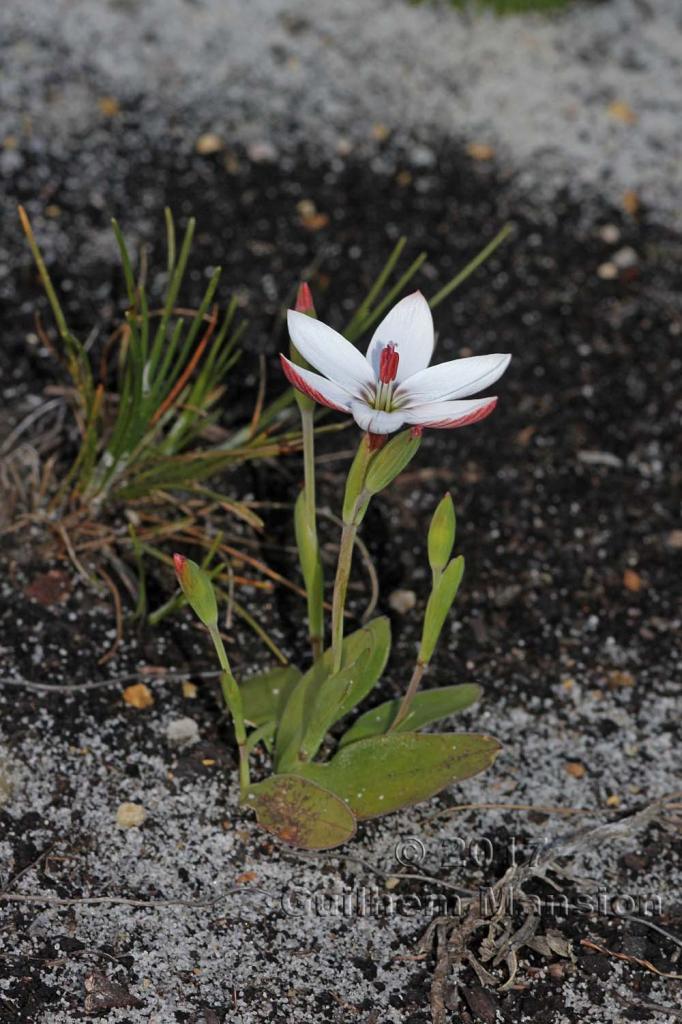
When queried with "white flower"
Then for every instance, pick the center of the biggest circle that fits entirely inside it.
(394, 384)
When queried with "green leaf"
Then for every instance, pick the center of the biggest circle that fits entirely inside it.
(384, 773)
(438, 606)
(441, 538)
(331, 696)
(427, 707)
(264, 695)
(300, 812)
(296, 715)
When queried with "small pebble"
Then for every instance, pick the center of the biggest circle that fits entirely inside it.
(182, 732)
(609, 233)
(402, 601)
(130, 815)
(607, 271)
(625, 258)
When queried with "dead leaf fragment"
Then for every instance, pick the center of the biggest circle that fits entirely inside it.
(109, 106)
(130, 815)
(480, 151)
(311, 218)
(208, 143)
(138, 696)
(632, 581)
(576, 769)
(618, 110)
(618, 678)
(246, 876)
(104, 994)
(189, 691)
(52, 587)
(631, 202)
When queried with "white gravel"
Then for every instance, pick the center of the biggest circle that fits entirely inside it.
(539, 90)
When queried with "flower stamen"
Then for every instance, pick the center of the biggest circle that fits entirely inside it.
(388, 370)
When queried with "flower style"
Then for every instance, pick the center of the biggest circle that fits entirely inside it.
(394, 384)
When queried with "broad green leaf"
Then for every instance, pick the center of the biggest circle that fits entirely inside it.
(384, 773)
(265, 695)
(438, 606)
(328, 700)
(296, 714)
(300, 812)
(427, 707)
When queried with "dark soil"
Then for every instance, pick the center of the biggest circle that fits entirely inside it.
(573, 562)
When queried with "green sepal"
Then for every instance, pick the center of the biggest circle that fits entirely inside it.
(391, 460)
(427, 707)
(376, 637)
(300, 812)
(384, 773)
(441, 538)
(438, 606)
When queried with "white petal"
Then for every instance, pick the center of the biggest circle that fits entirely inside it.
(376, 421)
(321, 390)
(449, 414)
(409, 325)
(455, 379)
(330, 353)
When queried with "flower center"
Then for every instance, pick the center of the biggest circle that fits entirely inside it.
(388, 369)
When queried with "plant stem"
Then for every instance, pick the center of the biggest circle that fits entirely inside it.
(343, 567)
(415, 681)
(315, 606)
(233, 699)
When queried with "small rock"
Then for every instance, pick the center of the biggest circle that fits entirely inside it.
(183, 732)
(104, 994)
(576, 769)
(130, 815)
(208, 143)
(189, 691)
(402, 601)
(625, 258)
(674, 540)
(261, 152)
(607, 271)
(609, 233)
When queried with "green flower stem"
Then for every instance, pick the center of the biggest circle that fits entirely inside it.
(343, 567)
(233, 699)
(315, 603)
(355, 504)
(406, 704)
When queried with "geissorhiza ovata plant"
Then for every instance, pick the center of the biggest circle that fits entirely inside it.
(382, 762)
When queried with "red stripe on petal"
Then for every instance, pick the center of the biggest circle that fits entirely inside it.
(304, 387)
(463, 421)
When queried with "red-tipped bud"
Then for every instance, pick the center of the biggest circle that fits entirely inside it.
(197, 587)
(388, 363)
(304, 300)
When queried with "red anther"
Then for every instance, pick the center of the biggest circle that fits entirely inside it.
(304, 300)
(376, 441)
(388, 363)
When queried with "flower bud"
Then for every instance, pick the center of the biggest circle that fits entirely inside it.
(391, 461)
(304, 300)
(197, 588)
(442, 534)
(304, 304)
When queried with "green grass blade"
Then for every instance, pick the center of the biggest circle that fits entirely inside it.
(473, 265)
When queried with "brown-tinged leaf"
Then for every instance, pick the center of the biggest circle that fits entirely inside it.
(52, 587)
(301, 813)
